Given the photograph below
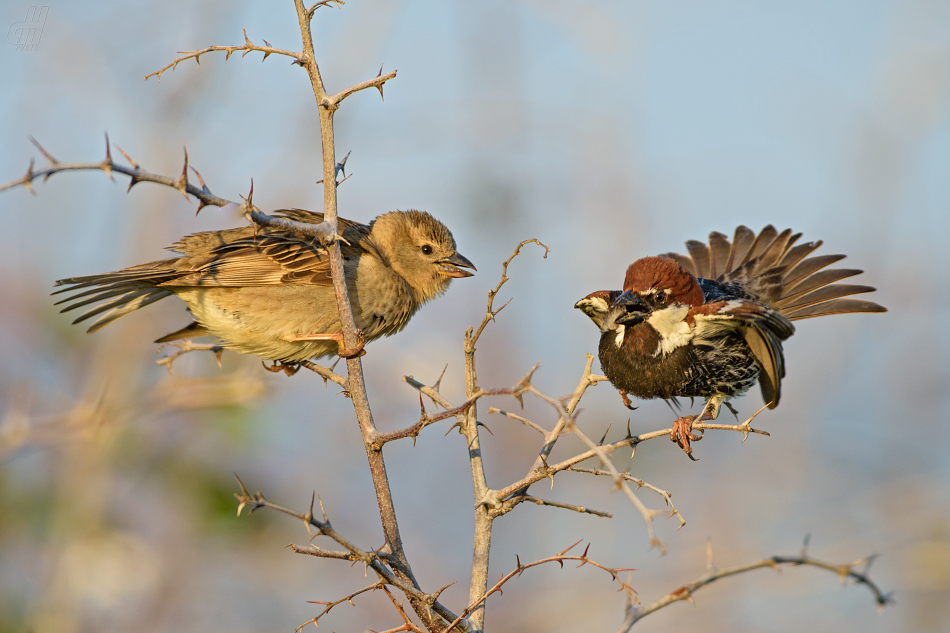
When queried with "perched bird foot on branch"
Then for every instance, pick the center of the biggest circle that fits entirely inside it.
(682, 433)
(342, 350)
(355, 352)
(288, 368)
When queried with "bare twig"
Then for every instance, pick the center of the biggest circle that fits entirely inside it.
(327, 606)
(377, 560)
(566, 506)
(108, 165)
(846, 571)
(500, 502)
(468, 424)
(667, 497)
(325, 372)
(521, 419)
(247, 47)
(557, 558)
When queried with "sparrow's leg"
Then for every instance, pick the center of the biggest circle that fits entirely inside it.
(626, 400)
(186, 346)
(342, 351)
(288, 368)
(682, 431)
(682, 434)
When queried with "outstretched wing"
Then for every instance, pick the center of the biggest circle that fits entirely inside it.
(763, 329)
(771, 268)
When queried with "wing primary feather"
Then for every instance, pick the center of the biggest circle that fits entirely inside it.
(836, 306)
(761, 243)
(741, 242)
(719, 248)
(826, 293)
(809, 267)
(700, 254)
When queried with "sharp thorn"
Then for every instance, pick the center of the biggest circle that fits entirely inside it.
(52, 161)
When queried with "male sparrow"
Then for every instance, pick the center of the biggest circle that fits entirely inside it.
(709, 325)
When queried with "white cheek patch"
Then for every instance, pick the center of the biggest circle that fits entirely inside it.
(671, 325)
(618, 340)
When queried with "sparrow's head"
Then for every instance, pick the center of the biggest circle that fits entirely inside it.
(660, 281)
(421, 249)
(596, 304)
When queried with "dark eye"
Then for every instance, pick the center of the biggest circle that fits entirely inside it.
(427, 250)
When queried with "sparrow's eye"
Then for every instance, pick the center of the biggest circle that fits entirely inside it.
(427, 250)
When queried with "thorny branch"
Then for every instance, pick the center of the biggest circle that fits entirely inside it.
(377, 560)
(327, 606)
(502, 501)
(557, 558)
(247, 47)
(389, 562)
(846, 571)
(180, 183)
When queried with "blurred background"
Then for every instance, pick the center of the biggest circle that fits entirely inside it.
(608, 130)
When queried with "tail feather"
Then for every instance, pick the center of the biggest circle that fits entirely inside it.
(700, 254)
(825, 293)
(809, 267)
(762, 242)
(123, 291)
(772, 268)
(838, 306)
(817, 280)
(719, 249)
(139, 301)
(94, 291)
(741, 242)
(128, 298)
(100, 295)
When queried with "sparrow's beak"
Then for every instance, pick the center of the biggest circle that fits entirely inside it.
(452, 266)
(635, 309)
(632, 301)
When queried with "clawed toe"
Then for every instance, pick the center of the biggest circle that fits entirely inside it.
(354, 352)
(288, 368)
(626, 401)
(682, 433)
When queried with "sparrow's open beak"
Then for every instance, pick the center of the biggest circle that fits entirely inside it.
(635, 308)
(452, 266)
(632, 300)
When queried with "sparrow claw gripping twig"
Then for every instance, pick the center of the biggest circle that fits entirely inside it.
(288, 368)
(354, 352)
(682, 433)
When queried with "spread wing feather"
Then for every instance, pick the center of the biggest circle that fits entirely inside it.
(776, 272)
(763, 329)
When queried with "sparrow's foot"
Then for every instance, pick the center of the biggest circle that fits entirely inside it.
(682, 434)
(186, 346)
(288, 368)
(342, 350)
(354, 352)
(626, 400)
